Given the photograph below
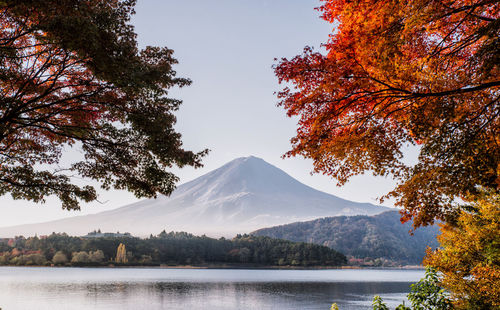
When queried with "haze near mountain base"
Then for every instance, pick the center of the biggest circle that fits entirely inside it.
(243, 195)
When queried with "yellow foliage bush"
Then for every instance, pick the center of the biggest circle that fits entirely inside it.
(469, 257)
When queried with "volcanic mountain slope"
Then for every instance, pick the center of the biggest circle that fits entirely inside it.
(243, 195)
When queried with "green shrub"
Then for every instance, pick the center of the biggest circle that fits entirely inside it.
(426, 294)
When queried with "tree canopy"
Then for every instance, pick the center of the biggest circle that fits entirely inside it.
(72, 75)
(397, 74)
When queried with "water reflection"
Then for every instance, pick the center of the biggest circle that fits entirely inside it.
(52, 291)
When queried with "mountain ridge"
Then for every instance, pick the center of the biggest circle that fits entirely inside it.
(245, 194)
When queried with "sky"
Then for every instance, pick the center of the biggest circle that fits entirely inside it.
(227, 48)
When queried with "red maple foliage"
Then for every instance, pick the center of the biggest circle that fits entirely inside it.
(401, 73)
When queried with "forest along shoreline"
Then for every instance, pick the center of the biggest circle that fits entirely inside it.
(174, 249)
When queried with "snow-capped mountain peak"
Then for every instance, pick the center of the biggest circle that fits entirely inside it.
(241, 196)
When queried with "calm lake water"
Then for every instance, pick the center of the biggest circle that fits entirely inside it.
(207, 289)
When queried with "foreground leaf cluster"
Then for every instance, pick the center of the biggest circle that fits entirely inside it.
(469, 257)
(426, 294)
(72, 76)
(421, 75)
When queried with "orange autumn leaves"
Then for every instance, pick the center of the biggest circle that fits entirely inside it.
(399, 73)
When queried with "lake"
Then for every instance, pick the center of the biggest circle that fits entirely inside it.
(207, 289)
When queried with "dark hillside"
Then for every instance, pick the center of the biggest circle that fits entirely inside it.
(375, 237)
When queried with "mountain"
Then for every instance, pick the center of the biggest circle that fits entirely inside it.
(243, 195)
(380, 236)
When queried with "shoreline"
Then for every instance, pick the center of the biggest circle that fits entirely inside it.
(239, 267)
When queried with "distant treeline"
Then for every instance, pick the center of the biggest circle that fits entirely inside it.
(174, 248)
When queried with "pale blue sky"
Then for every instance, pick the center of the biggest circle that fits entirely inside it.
(227, 47)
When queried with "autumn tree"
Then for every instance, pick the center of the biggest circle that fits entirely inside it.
(420, 74)
(59, 258)
(121, 254)
(96, 256)
(72, 76)
(80, 257)
(470, 255)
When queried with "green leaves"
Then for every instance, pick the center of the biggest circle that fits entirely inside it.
(334, 306)
(378, 304)
(426, 294)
